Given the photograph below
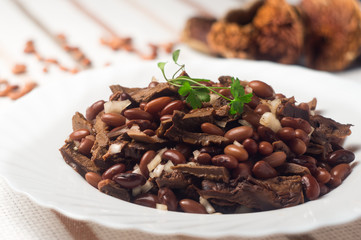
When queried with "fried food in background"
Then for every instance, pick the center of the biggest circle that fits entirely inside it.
(326, 32)
(333, 33)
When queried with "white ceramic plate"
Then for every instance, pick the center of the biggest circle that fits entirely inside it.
(33, 130)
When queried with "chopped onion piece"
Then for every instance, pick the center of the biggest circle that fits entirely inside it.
(116, 106)
(157, 171)
(237, 144)
(156, 160)
(244, 123)
(115, 148)
(213, 98)
(221, 124)
(273, 105)
(269, 120)
(168, 166)
(161, 207)
(196, 154)
(209, 208)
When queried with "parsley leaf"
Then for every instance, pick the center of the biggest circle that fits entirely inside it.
(175, 56)
(194, 100)
(185, 89)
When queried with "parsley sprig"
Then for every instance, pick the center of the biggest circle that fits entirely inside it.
(196, 92)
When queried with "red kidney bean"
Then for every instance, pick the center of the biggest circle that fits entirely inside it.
(263, 170)
(144, 161)
(296, 123)
(261, 109)
(211, 150)
(323, 189)
(212, 129)
(226, 92)
(261, 89)
(146, 200)
(306, 161)
(129, 180)
(93, 178)
(266, 134)
(254, 102)
(276, 159)
(167, 197)
(311, 187)
(184, 149)
(265, 148)
(243, 170)
(94, 110)
(156, 105)
(250, 145)
(252, 118)
(175, 156)
(191, 206)
(334, 182)
(143, 124)
(224, 160)
(172, 106)
(85, 146)
(113, 170)
(113, 119)
(79, 134)
(341, 171)
(340, 156)
(149, 132)
(204, 159)
(239, 133)
(142, 105)
(135, 113)
(236, 151)
(165, 117)
(152, 84)
(297, 146)
(322, 175)
(286, 133)
(299, 133)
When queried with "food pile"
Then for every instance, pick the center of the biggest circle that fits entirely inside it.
(199, 146)
(326, 34)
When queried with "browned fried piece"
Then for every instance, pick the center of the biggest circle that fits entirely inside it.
(77, 161)
(113, 189)
(333, 37)
(278, 192)
(279, 32)
(206, 172)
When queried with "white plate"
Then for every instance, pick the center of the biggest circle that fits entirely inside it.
(35, 127)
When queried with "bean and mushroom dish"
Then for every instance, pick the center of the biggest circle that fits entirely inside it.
(200, 146)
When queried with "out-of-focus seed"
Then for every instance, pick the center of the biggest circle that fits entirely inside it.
(322, 175)
(250, 145)
(297, 146)
(286, 133)
(340, 156)
(341, 171)
(135, 113)
(204, 159)
(172, 106)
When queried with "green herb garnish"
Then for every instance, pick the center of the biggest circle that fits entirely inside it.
(196, 92)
